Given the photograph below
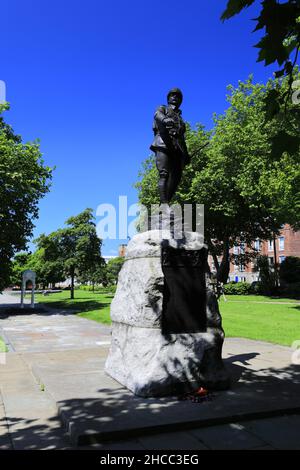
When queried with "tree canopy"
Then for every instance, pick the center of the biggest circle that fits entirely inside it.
(24, 181)
(75, 247)
(113, 268)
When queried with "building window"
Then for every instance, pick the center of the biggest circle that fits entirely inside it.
(281, 243)
(257, 244)
(270, 245)
(242, 248)
(235, 250)
(271, 260)
(242, 268)
(281, 258)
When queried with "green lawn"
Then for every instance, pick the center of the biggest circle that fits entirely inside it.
(242, 315)
(91, 305)
(267, 322)
(259, 298)
(3, 347)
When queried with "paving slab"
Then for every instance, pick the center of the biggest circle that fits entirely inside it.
(28, 416)
(95, 407)
(232, 436)
(5, 441)
(52, 331)
(43, 433)
(128, 445)
(66, 355)
(280, 433)
(172, 441)
(263, 448)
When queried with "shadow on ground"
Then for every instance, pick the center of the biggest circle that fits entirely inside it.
(119, 415)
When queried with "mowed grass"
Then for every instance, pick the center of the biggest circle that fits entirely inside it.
(260, 298)
(91, 305)
(3, 347)
(276, 323)
(275, 320)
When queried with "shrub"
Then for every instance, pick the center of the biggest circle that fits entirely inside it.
(291, 290)
(99, 289)
(238, 288)
(289, 270)
(267, 276)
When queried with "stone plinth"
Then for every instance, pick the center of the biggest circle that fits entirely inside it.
(141, 357)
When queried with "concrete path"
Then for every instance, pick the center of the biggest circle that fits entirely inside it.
(9, 300)
(54, 373)
(51, 332)
(29, 417)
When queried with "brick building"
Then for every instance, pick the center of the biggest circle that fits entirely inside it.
(286, 244)
(122, 250)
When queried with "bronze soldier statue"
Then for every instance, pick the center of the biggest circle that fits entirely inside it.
(169, 145)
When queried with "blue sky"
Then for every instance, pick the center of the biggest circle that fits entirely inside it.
(86, 76)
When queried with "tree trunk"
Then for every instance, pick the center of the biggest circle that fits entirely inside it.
(213, 254)
(224, 268)
(72, 283)
(275, 262)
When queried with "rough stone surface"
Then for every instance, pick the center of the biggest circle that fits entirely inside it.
(138, 301)
(148, 244)
(141, 357)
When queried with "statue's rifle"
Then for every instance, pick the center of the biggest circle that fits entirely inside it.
(199, 149)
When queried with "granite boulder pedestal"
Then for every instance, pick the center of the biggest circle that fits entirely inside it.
(167, 335)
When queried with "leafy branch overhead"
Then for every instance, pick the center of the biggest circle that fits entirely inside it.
(281, 23)
(280, 44)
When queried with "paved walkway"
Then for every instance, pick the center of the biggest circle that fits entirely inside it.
(54, 372)
(12, 300)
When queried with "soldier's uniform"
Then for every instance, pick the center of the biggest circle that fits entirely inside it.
(170, 149)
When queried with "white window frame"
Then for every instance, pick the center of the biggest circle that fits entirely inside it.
(281, 241)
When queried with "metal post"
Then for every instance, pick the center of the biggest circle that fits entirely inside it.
(22, 294)
(32, 294)
(275, 261)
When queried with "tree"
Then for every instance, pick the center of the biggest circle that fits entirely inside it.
(267, 276)
(19, 264)
(96, 275)
(281, 24)
(246, 189)
(77, 246)
(113, 268)
(47, 272)
(289, 271)
(24, 180)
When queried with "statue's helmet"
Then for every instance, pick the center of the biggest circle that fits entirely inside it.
(176, 91)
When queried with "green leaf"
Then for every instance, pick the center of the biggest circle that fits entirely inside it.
(271, 50)
(284, 142)
(280, 73)
(234, 7)
(271, 104)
